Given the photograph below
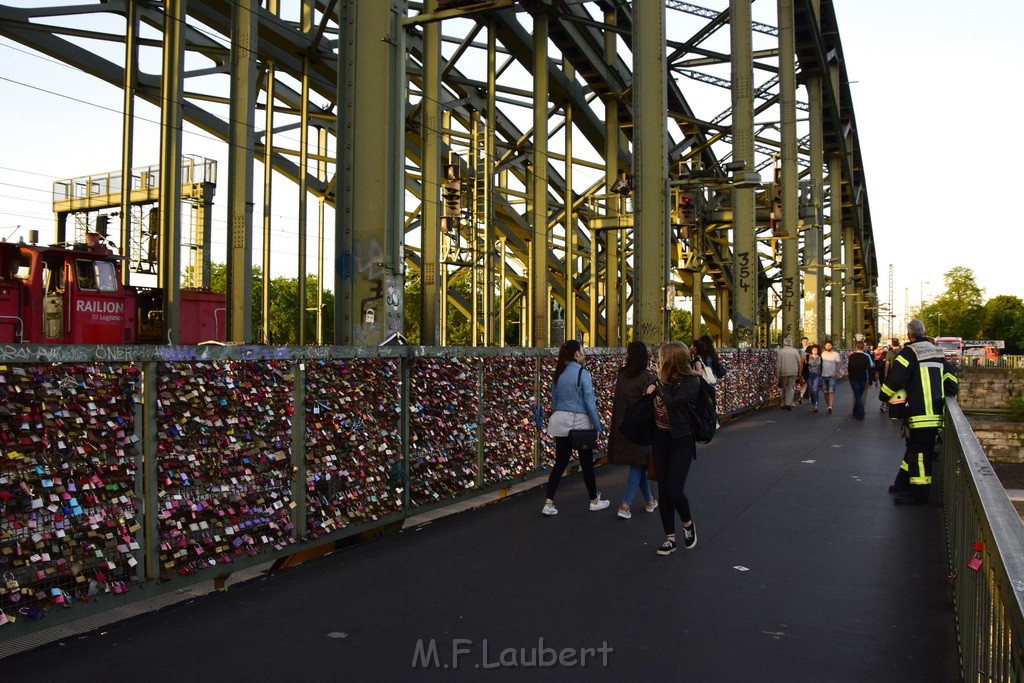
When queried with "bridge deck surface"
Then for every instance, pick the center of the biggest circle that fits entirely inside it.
(804, 570)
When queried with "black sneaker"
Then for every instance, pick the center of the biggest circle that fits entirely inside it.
(690, 536)
(667, 548)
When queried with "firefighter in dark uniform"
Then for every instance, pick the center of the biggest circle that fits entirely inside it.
(927, 378)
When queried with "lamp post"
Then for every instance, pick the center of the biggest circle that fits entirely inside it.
(922, 298)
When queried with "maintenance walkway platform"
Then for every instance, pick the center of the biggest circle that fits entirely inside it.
(804, 570)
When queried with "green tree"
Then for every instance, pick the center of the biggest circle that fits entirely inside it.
(958, 311)
(283, 304)
(412, 302)
(460, 291)
(680, 326)
(460, 294)
(1002, 314)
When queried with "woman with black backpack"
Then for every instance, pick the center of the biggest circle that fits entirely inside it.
(674, 447)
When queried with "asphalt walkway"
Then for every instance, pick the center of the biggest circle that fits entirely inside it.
(804, 570)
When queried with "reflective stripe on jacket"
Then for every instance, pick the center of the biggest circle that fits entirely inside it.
(927, 377)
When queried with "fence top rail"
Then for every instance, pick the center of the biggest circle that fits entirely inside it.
(1001, 517)
(173, 353)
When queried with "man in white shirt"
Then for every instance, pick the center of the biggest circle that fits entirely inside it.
(829, 365)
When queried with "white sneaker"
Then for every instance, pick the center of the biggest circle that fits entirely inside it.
(600, 504)
(625, 514)
(652, 506)
(549, 510)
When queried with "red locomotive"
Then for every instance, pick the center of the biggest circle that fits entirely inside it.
(53, 295)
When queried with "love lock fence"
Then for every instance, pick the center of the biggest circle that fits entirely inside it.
(133, 474)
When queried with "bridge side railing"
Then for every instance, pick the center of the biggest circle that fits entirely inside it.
(985, 539)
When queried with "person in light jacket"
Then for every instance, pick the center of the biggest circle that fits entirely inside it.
(788, 366)
(574, 406)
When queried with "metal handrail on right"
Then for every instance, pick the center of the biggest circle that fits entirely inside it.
(985, 539)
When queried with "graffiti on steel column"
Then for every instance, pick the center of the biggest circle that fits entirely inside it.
(649, 331)
(789, 293)
(744, 271)
(789, 305)
(743, 327)
(369, 262)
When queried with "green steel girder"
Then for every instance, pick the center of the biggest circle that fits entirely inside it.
(575, 32)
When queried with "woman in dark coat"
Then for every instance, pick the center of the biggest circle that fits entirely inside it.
(630, 384)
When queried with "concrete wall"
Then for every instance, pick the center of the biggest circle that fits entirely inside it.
(990, 389)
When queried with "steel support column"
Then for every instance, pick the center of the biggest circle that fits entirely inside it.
(131, 78)
(650, 173)
(853, 317)
(430, 105)
(485, 174)
(614, 331)
(814, 275)
(241, 154)
(301, 298)
(540, 313)
(370, 205)
(790, 190)
(171, 106)
(571, 313)
(746, 265)
(268, 176)
(837, 270)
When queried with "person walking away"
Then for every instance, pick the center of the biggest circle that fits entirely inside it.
(880, 352)
(674, 447)
(574, 406)
(709, 356)
(630, 384)
(890, 357)
(858, 369)
(812, 365)
(801, 378)
(829, 366)
(927, 378)
(787, 363)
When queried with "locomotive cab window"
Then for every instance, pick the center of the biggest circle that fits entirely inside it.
(98, 276)
(54, 277)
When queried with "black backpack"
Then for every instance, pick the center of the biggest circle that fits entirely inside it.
(704, 413)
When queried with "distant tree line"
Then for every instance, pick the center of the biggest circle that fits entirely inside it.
(962, 311)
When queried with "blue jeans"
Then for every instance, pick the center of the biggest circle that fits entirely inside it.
(857, 386)
(637, 479)
(813, 386)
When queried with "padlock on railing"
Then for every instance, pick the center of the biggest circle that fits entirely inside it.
(975, 562)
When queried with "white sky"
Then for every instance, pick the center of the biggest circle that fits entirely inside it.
(935, 95)
(938, 105)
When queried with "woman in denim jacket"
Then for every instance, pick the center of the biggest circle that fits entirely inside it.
(572, 399)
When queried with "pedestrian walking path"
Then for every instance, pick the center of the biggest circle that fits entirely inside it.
(804, 570)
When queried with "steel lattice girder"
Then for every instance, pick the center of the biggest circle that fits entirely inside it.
(577, 33)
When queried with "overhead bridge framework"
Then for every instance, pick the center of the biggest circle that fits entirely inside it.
(546, 168)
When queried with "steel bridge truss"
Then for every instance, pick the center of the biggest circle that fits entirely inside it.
(543, 168)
